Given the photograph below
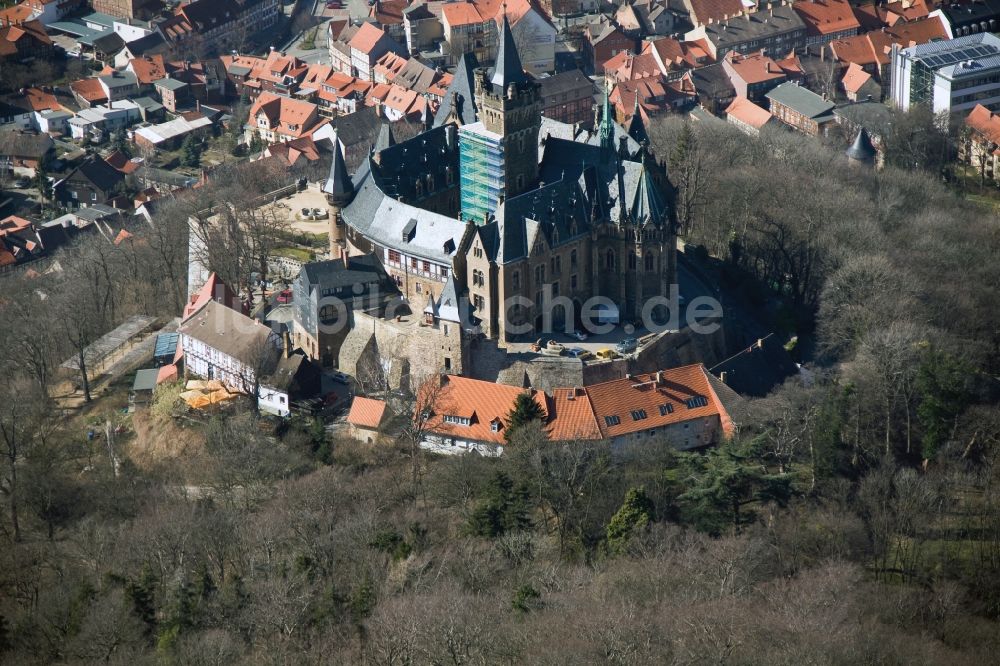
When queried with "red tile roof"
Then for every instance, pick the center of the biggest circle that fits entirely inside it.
(90, 90)
(366, 412)
(826, 17)
(41, 100)
(854, 78)
(483, 403)
(662, 398)
(746, 111)
(148, 69)
(985, 123)
(716, 10)
(755, 68)
(627, 67)
(366, 38)
(873, 47)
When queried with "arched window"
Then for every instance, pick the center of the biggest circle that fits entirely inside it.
(611, 259)
(572, 259)
(649, 262)
(631, 260)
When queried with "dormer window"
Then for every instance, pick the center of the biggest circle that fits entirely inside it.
(495, 425)
(457, 420)
(696, 401)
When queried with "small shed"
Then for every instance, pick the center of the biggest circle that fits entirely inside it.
(143, 386)
(366, 418)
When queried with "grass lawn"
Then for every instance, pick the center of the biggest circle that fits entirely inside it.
(294, 253)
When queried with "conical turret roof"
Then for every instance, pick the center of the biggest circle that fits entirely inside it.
(862, 149)
(338, 183)
(508, 69)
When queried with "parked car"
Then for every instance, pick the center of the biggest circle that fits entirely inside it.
(606, 354)
(285, 296)
(553, 348)
(627, 346)
(579, 335)
(581, 354)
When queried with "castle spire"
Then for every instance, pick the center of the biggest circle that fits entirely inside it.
(606, 130)
(508, 69)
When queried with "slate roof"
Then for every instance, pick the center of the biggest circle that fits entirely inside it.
(508, 69)
(565, 82)
(862, 149)
(400, 165)
(735, 31)
(331, 274)
(801, 100)
(100, 173)
(338, 183)
(461, 91)
(556, 211)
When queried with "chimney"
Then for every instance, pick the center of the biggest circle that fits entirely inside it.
(286, 343)
(722, 376)
(659, 377)
(760, 343)
(345, 257)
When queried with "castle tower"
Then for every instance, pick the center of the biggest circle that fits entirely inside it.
(499, 153)
(339, 192)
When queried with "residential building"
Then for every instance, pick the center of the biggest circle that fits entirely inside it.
(643, 18)
(568, 97)
(50, 11)
(170, 135)
(679, 407)
(753, 75)
(24, 41)
(980, 144)
(654, 96)
(369, 44)
(952, 76)
(674, 57)
(714, 88)
(135, 9)
(93, 182)
(603, 41)
(749, 117)
(23, 149)
(776, 31)
(859, 85)
(119, 85)
(827, 20)
(468, 27)
(422, 27)
(705, 12)
(274, 118)
(801, 108)
(224, 344)
(969, 18)
(872, 50)
(99, 122)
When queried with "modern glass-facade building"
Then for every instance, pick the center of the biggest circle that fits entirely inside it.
(951, 75)
(481, 170)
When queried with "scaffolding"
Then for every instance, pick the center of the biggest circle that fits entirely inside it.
(481, 174)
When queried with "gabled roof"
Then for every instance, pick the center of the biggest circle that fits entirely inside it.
(826, 17)
(715, 10)
(754, 67)
(366, 412)
(231, 333)
(801, 100)
(747, 112)
(653, 400)
(985, 123)
(100, 173)
(367, 36)
(483, 403)
(855, 78)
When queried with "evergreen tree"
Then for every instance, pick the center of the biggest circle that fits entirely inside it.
(722, 484)
(942, 383)
(191, 151)
(503, 509)
(524, 411)
(634, 515)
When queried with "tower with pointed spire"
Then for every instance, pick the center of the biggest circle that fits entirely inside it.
(339, 192)
(606, 124)
(499, 153)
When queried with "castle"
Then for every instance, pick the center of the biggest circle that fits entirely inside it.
(523, 218)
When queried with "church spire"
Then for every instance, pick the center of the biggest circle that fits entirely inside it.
(338, 183)
(606, 130)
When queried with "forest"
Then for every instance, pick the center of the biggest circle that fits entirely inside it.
(855, 518)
